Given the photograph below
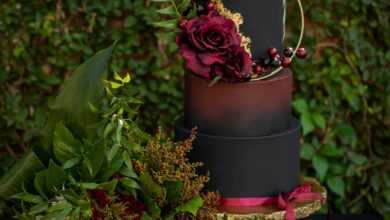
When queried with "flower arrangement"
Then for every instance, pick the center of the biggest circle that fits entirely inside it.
(95, 163)
(213, 47)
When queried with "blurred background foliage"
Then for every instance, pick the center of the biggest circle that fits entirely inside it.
(342, 91)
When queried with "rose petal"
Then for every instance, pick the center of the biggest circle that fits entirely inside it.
(210, 58)
(193, 62)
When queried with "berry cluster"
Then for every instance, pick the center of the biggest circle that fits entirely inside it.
(205, 7)
(275, 60)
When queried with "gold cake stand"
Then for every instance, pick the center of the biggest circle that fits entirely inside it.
(302, 209)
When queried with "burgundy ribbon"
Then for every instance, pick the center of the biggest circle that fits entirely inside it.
(302, 193)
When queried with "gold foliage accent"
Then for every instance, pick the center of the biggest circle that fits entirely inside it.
(237, 18)
(168, 161)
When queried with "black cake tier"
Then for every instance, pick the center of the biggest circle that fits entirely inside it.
(248, 166)
(263, 23)
(249, 109)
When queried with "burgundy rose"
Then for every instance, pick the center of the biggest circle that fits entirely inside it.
(133, 206)
(237, 65)
(212, 40)
(211, 32)
(100, 196)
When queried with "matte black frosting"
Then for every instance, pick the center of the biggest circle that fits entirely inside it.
(248, 167)
(263, 23)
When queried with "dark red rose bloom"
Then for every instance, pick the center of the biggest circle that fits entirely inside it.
(237, 66)
(212, 40)
(133, 206)
(100, 196)
(96, 214)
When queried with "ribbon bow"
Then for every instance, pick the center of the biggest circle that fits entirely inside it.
(302, 193)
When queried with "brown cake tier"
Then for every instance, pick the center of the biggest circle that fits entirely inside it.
(248, 109)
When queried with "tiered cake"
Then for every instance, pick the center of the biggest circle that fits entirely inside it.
(247, 137)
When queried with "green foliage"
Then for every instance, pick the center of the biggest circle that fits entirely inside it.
(342, 94)
(175, 10)
(342, 99)
(82, 163)
(13, 181)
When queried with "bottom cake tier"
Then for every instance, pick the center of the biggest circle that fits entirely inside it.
(248, 166)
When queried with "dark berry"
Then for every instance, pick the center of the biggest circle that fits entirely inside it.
(247, 77)
(272, 52)
(266, 62)
(257, 69)
(210, 6)
(288, 52)
(183, 23)
(286, 62)
(201, 9)
(276, 62)
(301, 53)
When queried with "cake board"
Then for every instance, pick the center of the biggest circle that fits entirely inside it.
(301, 209)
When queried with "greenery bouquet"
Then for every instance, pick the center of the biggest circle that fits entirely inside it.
(95, 163)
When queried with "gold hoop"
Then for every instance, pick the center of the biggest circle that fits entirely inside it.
(274, 72)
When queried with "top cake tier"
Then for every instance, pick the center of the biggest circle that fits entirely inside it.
(263, 23)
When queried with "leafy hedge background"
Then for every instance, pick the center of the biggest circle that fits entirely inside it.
(342, 90)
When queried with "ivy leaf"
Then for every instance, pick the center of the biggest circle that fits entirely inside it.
(321, 166)
(65, 146)
(307, 123)
(307, 152)
(332, 151)
(347, 134)
(22, 172)
(300, 106)
(319, 120)
(337, 185)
